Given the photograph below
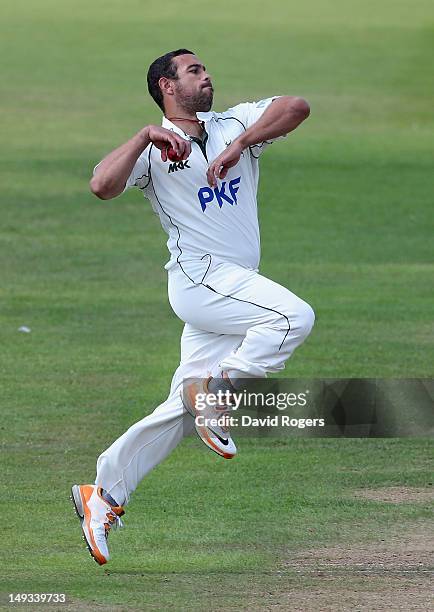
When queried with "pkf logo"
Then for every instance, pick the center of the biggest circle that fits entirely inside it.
(206, 195)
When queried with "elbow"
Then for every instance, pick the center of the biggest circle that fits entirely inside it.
(299, 107)
(296, 110)
(98, 189)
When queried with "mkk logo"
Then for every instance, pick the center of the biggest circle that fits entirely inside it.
(206, 195)
(175, 166)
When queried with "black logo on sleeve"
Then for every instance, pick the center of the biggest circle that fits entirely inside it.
(181, 165)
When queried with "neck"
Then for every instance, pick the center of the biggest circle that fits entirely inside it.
(186, 121)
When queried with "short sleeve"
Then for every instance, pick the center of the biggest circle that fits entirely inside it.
(139, 176)
(248, 113)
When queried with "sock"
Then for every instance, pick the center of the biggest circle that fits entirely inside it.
(108, 498)
(220, 384)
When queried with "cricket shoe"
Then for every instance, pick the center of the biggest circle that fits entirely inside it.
(210, 420)
(98, 513)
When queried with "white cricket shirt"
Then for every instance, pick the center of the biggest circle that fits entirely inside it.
(222, 221)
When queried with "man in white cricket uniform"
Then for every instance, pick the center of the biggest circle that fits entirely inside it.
(200, 172)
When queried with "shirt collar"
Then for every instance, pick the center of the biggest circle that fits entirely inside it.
(166, 123)
(205, 116)
(171, 126)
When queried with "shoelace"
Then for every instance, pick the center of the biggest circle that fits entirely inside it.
(223, 413)
(114, 521)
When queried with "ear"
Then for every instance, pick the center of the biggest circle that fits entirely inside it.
(166, 86)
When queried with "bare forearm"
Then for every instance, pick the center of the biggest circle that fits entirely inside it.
(281, 117)
(113, 171)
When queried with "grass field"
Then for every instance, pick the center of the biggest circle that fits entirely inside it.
(346, 221)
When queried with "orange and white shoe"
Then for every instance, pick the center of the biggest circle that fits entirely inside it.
(98, 513)
(210, 420)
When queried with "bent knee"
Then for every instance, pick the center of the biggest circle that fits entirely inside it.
(305, 319)
(300, 320)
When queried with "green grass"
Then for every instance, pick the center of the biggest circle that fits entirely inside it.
(346, 222)
(201, 526)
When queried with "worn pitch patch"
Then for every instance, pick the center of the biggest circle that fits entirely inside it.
(397, 495)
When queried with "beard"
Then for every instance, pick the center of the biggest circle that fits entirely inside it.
(199, 102)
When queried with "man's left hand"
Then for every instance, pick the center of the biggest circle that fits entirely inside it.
(220, 166)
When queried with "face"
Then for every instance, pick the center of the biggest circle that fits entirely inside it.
(193, 89)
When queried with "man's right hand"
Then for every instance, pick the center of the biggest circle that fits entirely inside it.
(163, 139)
(112, 172)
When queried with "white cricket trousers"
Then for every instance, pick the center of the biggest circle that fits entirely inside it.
(235, 320)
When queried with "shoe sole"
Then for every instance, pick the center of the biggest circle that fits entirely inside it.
(77, 503)
(203, 434)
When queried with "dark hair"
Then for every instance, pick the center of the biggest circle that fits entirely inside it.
(163, 67)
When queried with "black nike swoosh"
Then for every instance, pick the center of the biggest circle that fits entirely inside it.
(222, 440)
